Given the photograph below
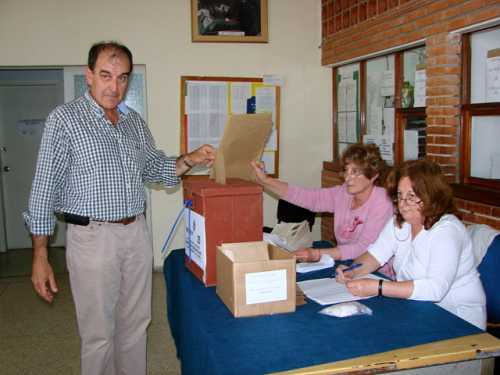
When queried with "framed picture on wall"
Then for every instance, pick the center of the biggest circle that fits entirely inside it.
(240, 21)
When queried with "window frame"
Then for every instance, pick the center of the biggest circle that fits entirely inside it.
(401, 114)
(468, 111)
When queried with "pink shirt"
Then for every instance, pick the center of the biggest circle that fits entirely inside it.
(354, 229)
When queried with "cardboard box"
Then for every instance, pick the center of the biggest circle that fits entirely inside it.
(232, 213)
(255, 278)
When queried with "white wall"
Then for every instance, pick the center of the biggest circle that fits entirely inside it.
(60, 32)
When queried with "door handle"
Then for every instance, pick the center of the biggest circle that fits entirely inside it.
(6, 168)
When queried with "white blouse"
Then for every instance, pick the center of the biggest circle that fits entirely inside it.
(440, 262)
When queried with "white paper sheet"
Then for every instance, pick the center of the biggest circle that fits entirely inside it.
(196, 248)
(273, 79)
(387, 88)
(385, 145)
(420, 79)
(206, 109)
(352, 128)
(275, 240)
(240, 93)
(493, 79)
(328, 291)
(374, 119)
(265, 102)
(342, 127)
(411, 144)
(326, 261)
(347, 94)
(269, 286)
(388, 118)
(268, 157)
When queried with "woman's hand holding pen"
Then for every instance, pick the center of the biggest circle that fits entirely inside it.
(345, 273)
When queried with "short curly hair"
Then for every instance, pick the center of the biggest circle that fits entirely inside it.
(367, 157)
(428, 184)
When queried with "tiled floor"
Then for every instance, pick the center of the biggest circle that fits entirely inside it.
(37, 338)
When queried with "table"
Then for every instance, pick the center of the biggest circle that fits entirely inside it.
(210, 340)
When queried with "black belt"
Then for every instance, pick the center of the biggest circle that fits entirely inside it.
(124, 221)
(85, 220)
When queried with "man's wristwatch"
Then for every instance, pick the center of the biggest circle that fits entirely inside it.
(184, 160)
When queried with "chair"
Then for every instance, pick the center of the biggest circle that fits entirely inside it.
(290, 213)
(490, 276)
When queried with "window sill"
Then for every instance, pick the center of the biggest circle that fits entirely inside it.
(477, 194)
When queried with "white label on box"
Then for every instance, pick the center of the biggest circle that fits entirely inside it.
(261, 287)
(196, 248)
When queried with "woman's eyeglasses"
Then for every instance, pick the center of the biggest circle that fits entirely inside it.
(410, 198)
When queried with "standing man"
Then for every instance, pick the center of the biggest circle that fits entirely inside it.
(95, 156)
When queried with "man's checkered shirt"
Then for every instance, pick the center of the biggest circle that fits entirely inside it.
(89, 167)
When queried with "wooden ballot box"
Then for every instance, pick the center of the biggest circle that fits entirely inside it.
(232, 213)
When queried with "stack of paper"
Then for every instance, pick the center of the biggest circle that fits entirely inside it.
(276, 240)
(326, 261)
(328, 291)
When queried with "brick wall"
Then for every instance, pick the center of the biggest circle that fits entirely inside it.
(389, 23)
(473, 212)
(355, 28)
(443, 101)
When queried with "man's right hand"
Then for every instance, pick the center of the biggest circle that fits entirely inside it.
(42, 275)
(43, 278)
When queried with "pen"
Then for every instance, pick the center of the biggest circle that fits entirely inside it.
(352, 267)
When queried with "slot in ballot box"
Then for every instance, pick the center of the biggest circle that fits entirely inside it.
(231, 213)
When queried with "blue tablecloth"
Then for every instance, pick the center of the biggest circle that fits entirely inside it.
(210, 340)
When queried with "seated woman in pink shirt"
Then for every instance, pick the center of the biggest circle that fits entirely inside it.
(361, 206)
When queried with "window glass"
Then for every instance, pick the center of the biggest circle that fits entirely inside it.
(414, 138)
(380, 90)
(485, 66)
(485, 153)
(348, 120)
(414, 78)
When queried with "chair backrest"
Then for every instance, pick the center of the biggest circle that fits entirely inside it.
(290, 213)
(489, 268)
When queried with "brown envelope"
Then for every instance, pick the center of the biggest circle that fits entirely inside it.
(243, 141)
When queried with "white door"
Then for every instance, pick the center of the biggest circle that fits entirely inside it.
(23, 110)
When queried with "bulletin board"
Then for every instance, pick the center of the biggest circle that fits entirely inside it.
(207, 102)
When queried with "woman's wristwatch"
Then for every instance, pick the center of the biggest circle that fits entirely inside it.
(380, 283)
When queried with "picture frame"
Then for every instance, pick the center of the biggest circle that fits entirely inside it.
(229, 21)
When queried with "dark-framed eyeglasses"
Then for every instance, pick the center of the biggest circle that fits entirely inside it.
(410, 199)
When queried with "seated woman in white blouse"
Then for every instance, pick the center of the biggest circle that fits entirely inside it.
(433, 257)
